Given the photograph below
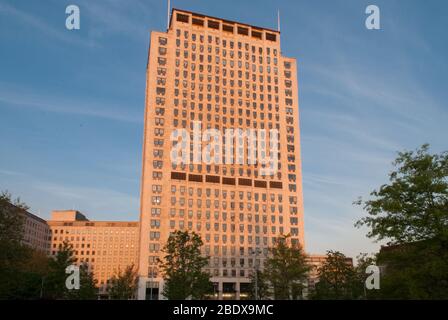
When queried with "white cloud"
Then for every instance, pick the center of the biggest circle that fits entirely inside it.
(95, 202)
(43, 195)
(11, 96)
(57, 33)
(118, 17)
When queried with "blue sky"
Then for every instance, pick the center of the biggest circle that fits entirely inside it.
(72, 102)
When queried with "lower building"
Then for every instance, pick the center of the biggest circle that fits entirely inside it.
(36, 233)
(316, 261)
(106, 246)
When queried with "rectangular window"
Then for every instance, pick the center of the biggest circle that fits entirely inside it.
(243, 31)
(227, 28)
(244, 182)
(195, 177)
(213, 24)
(256, 34)
(260, 184)
(271, 37)
(178, 175)
(198, 22)
(275, 184)
(213, 179)
(182, 18)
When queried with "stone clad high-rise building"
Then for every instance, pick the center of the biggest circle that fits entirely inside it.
(222, 75)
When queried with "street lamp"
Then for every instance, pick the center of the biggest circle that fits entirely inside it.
(42, 287)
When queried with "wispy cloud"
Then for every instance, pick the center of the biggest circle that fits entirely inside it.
(331, 180)
(39, 24)
(11, 173)
(119, 17)
(360, 89)
(11, 96)
(89, 198)
(44, 194)
(355, 114)
(359, 130)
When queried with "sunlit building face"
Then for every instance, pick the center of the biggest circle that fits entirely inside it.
(205, 77)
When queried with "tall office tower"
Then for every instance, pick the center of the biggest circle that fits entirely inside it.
(212, 84)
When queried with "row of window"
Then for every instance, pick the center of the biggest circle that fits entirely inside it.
(181, 225)
(226, 79)
(217, 192)
(255, 69)
(158, 175)
(234, 56)
(225, 90)
(222, 205)
(225, 43)
(213, 76)
(184, 124)
(232, 217)
(256, 240)
(153, 272)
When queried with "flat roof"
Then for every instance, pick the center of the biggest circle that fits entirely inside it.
(35, 217)
(221, 19)
(91, 223)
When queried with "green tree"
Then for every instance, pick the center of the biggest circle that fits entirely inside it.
(182, 267)
(22, 277)
(87, 285)
(33, 271)
(286, 268)
(123, 285)
(21, 268)
(11, 219)
(337, 279)
(411, 212)
(363, 261)
(54, 284)
(259, 280)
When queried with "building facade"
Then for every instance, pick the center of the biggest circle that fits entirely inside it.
(207, 76)
(36, 233)
(316, 261)
(106, 246)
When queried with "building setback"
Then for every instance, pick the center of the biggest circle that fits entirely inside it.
(224, 75)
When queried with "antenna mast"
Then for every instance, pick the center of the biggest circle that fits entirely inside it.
(278, 20)
(168, 16)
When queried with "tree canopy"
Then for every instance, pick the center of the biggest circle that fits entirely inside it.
(413, 206)
(124, 284)
(411, 212)
(182, 267)
(286, 268)
(337, 278)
